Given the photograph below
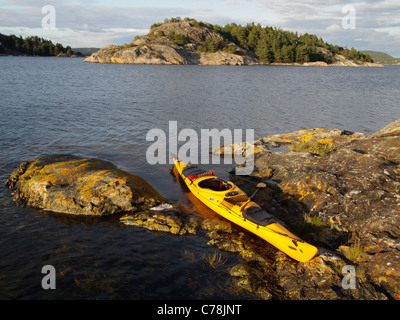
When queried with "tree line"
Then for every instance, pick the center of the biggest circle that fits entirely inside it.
(272, 44)
(32, 46)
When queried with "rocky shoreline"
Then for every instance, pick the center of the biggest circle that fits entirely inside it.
(337, 189)
(340, 190)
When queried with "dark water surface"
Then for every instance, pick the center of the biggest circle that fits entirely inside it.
(50, 105)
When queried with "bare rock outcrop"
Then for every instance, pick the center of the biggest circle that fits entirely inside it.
(157, 48)
(75, 185)
(354, 188)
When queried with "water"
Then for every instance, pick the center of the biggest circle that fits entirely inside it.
(51, 105)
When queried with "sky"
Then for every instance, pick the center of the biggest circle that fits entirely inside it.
(363, 24)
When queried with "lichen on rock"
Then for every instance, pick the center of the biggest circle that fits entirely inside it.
(355, 189)
(76, 185)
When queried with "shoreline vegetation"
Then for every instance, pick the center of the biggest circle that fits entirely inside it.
(34, 46)
(192, 42)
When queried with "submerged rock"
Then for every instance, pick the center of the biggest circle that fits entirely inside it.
(174, 219)
(75, 185)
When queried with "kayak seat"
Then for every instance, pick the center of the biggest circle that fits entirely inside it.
(215, 184)
(257, 215)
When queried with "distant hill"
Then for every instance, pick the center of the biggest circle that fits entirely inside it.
(86, 51)
(187, 41)
(381, 57)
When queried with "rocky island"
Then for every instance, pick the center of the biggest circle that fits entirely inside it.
(337, 189)
(190, 42)
(175, 43)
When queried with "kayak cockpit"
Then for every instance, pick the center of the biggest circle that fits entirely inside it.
(257, 215)
(215, 184)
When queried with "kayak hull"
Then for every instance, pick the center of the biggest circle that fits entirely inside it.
(232, 203)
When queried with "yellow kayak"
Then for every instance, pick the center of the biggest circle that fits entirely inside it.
(233, 204)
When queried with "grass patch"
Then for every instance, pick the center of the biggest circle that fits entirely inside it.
(215, 259)
(179, 39)
(312, 224)
(360, 272)
(354, 252)
(313, 147)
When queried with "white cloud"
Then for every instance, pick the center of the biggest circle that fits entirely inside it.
(77, 24)
(103, 22)
(333, 27)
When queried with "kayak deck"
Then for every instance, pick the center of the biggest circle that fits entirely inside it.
(233, 204)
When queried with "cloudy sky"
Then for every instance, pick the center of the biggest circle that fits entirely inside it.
(96, 23)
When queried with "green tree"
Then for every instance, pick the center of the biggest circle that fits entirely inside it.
(68, 50)
(252, 39)
(288, 53)
(302, 53)
(211, 45)
(265, 53)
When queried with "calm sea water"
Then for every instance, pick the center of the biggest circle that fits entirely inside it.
(50, 105)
